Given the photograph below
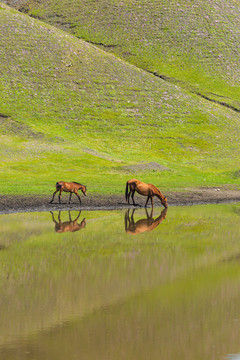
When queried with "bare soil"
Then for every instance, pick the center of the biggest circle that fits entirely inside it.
(11, 204)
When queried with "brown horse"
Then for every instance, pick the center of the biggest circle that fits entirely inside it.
(61, 227)
(71, 187)
(142, 225)
(144, 189)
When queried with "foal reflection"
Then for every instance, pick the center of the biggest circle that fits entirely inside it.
(71, 225)
(142, 225)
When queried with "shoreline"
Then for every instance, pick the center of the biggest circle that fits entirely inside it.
(16, 204)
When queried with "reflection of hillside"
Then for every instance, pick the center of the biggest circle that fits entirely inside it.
(142, 225)
(71, 225)
(166, 322)
(60, 279)
(77, 290)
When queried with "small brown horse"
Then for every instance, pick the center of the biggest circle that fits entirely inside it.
(61, 227)
(142, 225)
(144, 189)
(71, 187)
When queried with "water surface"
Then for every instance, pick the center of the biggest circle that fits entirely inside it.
(121, 285)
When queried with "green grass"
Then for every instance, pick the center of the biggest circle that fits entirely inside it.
(71, 111)
(194, 43)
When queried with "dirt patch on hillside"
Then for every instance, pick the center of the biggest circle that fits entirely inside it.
(151, 166)
(10, 204)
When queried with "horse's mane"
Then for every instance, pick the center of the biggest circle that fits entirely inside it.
(74, 182)
(157, 190)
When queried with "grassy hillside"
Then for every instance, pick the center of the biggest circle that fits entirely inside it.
(192, 43)
(71, 111)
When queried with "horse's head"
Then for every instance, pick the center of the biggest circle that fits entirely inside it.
(84, 190)
(164, 202)
(83, 223)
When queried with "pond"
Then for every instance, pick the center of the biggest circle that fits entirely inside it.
(121, 284)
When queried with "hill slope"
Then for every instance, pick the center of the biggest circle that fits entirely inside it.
(194, 44)
(71, 111)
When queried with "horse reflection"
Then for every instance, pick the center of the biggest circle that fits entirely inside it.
(142, 225)
(71, 225)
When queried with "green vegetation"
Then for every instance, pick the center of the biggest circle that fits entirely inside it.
(192, 43)
(71, 111)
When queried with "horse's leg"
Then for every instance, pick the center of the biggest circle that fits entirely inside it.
(148, 217)
(53, 196)
(75, 192)
(152, 201)
(78, 216)
(147, 201)
(70, 197)
(132, 219)
(59, 218)
(53, 219)
(133, 192)
(126, 219)
(151, 213)
(59, 196)
(128, 196)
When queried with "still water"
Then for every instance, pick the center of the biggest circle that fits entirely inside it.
(121, 284)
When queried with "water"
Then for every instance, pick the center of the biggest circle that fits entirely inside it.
(121, 286)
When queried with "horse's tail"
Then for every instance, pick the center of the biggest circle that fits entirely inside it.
(126, 191)
(126, 218)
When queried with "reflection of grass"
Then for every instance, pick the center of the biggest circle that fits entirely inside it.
(186, 229)
(72, 112)
(72, 274)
